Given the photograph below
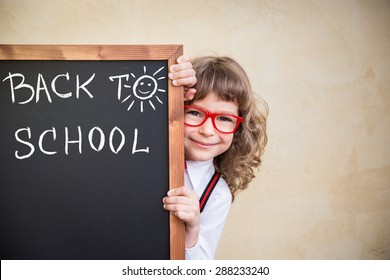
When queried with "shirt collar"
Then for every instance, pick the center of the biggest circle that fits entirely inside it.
(199, 171)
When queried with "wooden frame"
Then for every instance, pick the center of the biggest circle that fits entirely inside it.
(170, 53)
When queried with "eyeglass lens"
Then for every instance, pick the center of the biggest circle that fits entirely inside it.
(224, 123)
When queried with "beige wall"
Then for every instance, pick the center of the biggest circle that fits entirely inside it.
(323, 66)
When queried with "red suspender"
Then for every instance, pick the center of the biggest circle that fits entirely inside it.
(209, 189)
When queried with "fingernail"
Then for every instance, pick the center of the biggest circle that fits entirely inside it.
(170, 75)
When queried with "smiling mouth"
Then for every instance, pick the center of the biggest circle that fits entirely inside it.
(144, 92)
(203, 144)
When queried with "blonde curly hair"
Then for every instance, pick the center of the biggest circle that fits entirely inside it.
(225, 77)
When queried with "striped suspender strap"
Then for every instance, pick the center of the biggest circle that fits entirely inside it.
(209, 189)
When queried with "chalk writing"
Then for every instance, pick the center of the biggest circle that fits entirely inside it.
(41, 86)
(143, 88)
(24, 136)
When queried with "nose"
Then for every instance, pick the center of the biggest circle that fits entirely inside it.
(207, 128)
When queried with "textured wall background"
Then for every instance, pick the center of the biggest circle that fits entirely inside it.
(323, 191)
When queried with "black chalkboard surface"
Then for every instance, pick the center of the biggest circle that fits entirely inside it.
(85, 154)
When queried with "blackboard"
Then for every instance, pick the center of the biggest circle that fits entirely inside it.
(91, 141)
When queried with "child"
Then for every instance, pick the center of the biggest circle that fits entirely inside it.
(224, 138)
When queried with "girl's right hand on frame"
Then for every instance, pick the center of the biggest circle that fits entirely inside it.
(184, 204)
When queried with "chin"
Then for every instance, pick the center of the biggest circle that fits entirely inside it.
(198, 157)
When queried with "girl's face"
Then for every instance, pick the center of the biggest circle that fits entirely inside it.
(204, 142)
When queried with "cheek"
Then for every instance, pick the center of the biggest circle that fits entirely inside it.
(227, 139)
(188, 130)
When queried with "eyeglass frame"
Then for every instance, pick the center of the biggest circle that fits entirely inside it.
(212, 116)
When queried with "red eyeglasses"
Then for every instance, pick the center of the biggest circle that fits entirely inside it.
(224, 123)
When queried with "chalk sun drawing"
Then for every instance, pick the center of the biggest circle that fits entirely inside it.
(144, 90)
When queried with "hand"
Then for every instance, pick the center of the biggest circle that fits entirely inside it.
(182, 74)
(184, 204)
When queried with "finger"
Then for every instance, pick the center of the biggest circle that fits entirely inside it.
(183, 58)
(189, 94)
(185, 77)
(184, 73)
(183, 80)
(190, 212)
(185, 217)
(187, 82)
(181, 207)
(180, 67)
(184, 200)
(181, 191)
(175, 191)
(193, 215)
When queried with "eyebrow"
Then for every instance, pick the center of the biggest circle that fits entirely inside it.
(217, 112)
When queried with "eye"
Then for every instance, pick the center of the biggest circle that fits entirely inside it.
(193, 113)
(141, 83)
(223, 118)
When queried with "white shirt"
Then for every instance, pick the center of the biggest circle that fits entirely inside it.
(212, 219)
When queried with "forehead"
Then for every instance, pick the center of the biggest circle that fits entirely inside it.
(213, 103)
